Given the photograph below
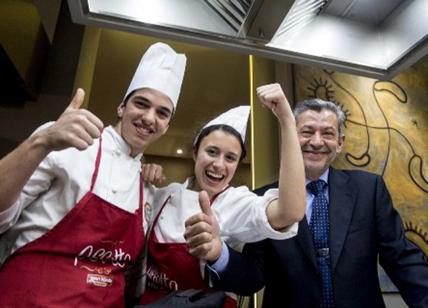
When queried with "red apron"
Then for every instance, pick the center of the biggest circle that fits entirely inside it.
(81, 261)
(170, 267)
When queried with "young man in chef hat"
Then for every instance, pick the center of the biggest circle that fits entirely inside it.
(72, 195)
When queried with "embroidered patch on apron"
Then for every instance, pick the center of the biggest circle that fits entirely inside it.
(99, 280)
(148, 211)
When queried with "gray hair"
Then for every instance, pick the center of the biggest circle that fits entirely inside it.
(318, 105)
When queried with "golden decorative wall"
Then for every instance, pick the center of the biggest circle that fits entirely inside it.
(386, 133)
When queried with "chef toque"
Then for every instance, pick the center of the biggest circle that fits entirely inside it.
(162, 69)
(236, 117)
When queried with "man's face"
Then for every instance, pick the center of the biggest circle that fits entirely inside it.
(144, 118)
(319, 139)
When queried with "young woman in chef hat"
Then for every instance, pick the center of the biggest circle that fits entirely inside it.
(242, 215)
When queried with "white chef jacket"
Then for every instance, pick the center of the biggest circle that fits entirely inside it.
(62, 179)
(241, 215)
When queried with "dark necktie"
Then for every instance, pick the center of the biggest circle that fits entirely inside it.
(320, 229)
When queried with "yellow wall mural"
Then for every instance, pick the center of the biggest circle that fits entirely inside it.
(386, 133)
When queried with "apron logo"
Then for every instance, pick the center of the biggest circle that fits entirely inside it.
(99, 280)
(159, 280)
(148, 211)
(117, 257)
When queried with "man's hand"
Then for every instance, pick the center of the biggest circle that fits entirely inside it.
(153, 174)
(203, 232)
(74, 128)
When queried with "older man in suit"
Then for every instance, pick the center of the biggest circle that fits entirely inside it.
(350, 225)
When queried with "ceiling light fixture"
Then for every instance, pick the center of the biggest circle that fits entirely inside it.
(375, 38)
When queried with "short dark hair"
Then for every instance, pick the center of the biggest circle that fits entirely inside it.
(317, 104)
(225, 128)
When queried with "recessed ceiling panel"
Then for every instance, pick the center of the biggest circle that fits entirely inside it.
(366, 11)
(191, 15)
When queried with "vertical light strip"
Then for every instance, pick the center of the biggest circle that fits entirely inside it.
(253, 171)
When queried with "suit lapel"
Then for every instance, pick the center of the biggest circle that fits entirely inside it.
(341, 205)
(304, 238)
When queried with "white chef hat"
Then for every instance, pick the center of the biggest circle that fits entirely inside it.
(236, 117)
(162, 69)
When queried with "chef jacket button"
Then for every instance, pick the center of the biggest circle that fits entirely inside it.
(114, 191)
(161, 217)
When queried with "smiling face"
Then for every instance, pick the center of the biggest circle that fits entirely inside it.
(143, 118)
(319, 139)
(216, 161)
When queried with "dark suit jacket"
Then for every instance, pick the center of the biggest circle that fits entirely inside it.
(363, 227)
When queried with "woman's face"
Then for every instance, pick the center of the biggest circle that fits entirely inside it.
(216, 161)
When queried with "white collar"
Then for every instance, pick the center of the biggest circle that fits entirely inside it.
(323, 177)
(120, 142)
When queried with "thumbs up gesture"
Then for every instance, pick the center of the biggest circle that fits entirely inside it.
(202, 232)
(74, 128)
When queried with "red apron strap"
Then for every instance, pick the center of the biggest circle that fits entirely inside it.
(212, 199)
(160, 211)
(141, 199)
(97, 163)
